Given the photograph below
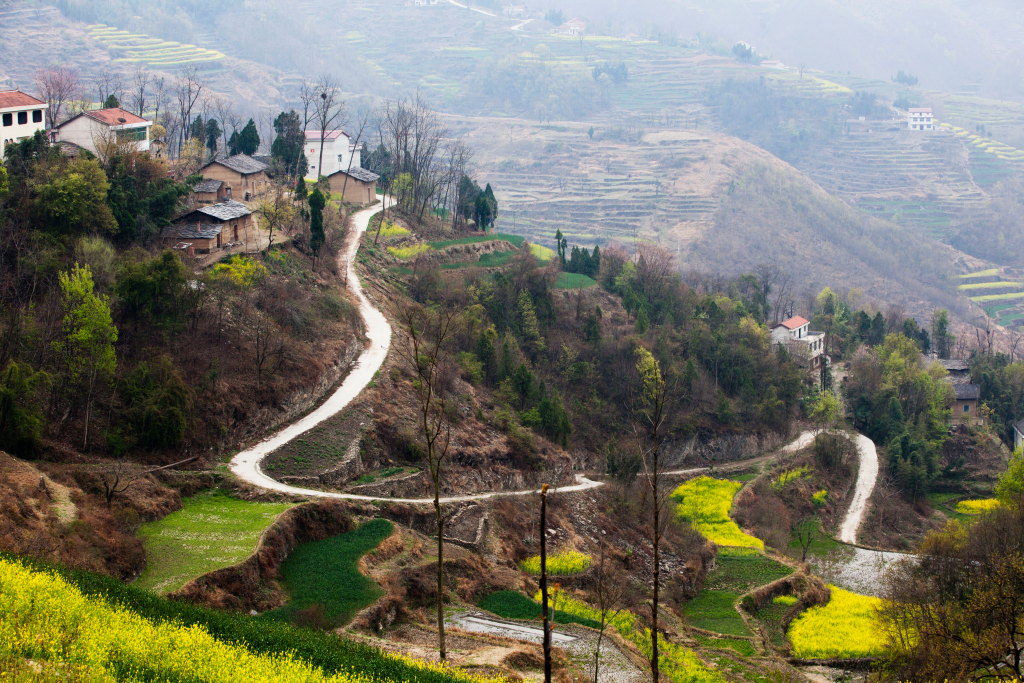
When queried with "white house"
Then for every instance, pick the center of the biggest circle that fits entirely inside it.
(920, 119)
(21, 116)
(796, 336)
(339, 152)
(91, 128)
(574, 28)
(424, 3)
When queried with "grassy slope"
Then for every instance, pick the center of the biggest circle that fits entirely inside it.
(515, 605)
(326, 573)
(211, 531)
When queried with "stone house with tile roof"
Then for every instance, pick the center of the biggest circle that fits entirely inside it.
(357, 186)
(233, 220)
(243, 176)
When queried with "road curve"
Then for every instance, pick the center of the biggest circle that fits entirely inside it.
(867, 475)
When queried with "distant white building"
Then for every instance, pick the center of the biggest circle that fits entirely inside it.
(920, 119)
(796, 337)
(90, 129)
(339, 153)
(424, 3)
(573, 28)
(21, 116)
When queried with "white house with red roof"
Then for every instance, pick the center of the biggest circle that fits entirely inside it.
(339, 153)
(21, 116)
(91, 128)
(796, 336)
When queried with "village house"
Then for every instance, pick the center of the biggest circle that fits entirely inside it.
(21, 116)
(92, 129)
(212, 227)
(357, 186)
(574, 28)
(805, 346)
(920, 119)
(242, 175)
(210, 191)
(967, 395)
(339, 153)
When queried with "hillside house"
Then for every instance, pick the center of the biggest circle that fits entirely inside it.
(233, 222)
(339, 153)
(805, 346)
(210, 191)
(21, 116)
(92, 129)
(920, 119)
(574, 28)
(242, 175)
(425, 3)
(193, 238)
(967, 399)
(357, 186)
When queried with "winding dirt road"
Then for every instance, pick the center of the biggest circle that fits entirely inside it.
(246, 464)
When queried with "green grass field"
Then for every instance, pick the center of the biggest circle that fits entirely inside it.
(515, 605)
(742, 647)
(574, 281)
(517, 240)
(326, 573)
(714, 611)
(211, 531)
(740, 570)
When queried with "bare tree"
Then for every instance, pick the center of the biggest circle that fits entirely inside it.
(106, 84)
(225, 113)
(159, 86)
(187, 91)
(276, 212)
(427, 333)
(138, 96)
(328, 111)
(546, 621)
(609, 591)
(57, 86)
(352, 150)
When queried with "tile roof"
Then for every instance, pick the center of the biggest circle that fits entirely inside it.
(967, 392)
(208, 185)
(314, 135)
(16, 98)
(225, 211)
(240, 163)
(194, 231)
(114, 116)
(360, 174)
(954, 365)
(794, 322)
(920, 110)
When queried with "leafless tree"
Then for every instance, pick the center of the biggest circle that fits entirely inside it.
(138, 96)
(265, 335)
(412, 134)
(226, 115)
(57, 86)
(364, 121)
(427, 333)
(187, 91)
(609, 591)
(328, 111)
(545, 609)
(106, 84)
(159, 87)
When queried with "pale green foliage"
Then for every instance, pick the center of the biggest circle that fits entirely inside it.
(789, 476)
(652, 384)
(89, 333)
(1010, 489)
(529, 327)
(241, 272)
(826, 409)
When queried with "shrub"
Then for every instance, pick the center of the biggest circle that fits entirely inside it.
(790, 476)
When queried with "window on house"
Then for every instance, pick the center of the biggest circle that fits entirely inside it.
(967, 407)
(8, 119)
(132, 134)
(37, 116)
(22, 118)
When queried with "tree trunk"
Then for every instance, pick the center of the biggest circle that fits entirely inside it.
(440, 571)
(656, 542)
(544, 581)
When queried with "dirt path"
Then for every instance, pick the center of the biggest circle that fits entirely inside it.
(867, 475)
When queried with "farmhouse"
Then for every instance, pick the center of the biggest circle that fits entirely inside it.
(965, 406)
(93, 129)
(574, 28)
(242, 175)
(357, 186)
(794, 334)
(339, 152)
(21, 116)
(920, 119)
(210, 191)
(232, 220)
(193, 238)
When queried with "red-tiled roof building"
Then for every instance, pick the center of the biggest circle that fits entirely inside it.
(21, 115)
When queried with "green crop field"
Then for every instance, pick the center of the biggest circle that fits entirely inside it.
(1001, 284)
(714, 611)
(740, 570)
(211, 531)
(326, 573)
(517, 240)
(997, 297)
(515, 605)
(139, 48)
(574, 281)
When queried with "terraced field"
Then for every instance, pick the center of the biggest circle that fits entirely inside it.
(999, 291)
(133, 48)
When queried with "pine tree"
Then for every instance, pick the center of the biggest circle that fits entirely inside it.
(317, 201)
(249, 139)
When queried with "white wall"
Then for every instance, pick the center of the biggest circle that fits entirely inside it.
(16, 131)
(337, 154)
(86, 132)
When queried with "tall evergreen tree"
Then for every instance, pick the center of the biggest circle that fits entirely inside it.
(249, 139)
(317, 201)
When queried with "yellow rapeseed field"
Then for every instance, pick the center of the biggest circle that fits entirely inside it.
(848, 626)
(706, 502)
(976, 507)
(46, 620)
(563, 563)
